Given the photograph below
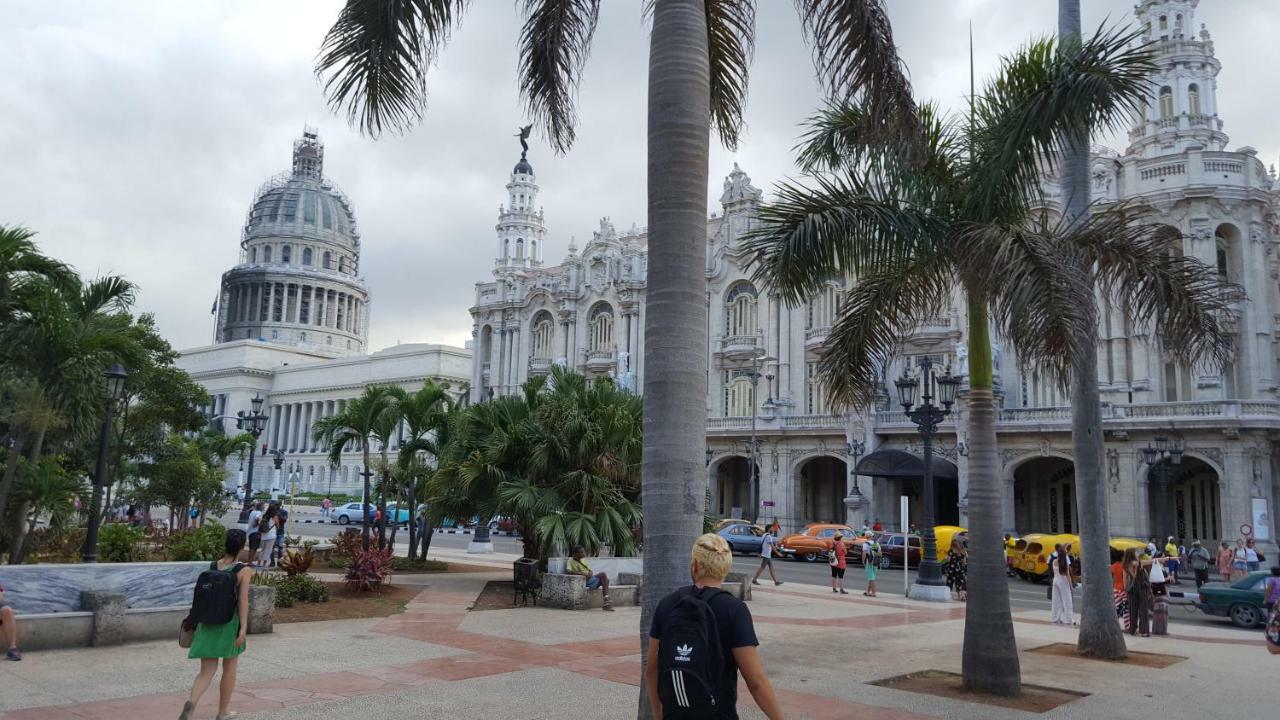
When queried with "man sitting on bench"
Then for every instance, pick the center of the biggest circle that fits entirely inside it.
(9, 626)
(578, 566)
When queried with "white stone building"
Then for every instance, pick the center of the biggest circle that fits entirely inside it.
(292, 327)
(1221, 205)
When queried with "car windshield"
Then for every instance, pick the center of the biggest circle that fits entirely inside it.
(827, 533)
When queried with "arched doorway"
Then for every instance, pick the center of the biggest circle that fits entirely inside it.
(822, 488)
(1044, 497)
(1184, 500)
(733, 489)
(903, 474)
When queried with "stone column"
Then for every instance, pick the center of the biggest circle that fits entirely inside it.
(784, 353)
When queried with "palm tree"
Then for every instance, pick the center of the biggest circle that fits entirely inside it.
(366, 419)
(20, 263)
(425, 415)
(48, 490)
(376, 58)
(965, 217)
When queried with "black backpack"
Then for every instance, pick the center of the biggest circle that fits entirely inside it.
(214, 601)
(690, 659)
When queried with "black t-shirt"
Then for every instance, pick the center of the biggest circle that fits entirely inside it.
(733, 621)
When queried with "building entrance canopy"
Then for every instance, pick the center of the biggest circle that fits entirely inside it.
(902, 465)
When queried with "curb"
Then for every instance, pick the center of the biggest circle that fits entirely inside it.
(441, 531)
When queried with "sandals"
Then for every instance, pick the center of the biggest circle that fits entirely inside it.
(187, 708)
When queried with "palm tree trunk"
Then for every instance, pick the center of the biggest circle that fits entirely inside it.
(11, 467)
(364, 501)
(990, 656)
(1100, 634)
(675, 333)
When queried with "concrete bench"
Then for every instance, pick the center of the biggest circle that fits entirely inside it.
(569, 592)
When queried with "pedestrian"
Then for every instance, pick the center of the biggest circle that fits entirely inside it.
(914, 530)
(281, 518)
(870, 562)
(775, 527)
(958, 570)
(1158, 577)
(1138, 585)
(9, 626)
(1152, 550)
(1117, 588)
(838, 564)
(224, 641)
(1240, 560)
(766, 556)
(673, 657)
(194, 513)
(1199, 559)
(1171, 560)
(252, 532)
(1225, 557)
(1253, 558)
(877, 526)
(325, 505)
(1062, 612)
(267, 533)
(1273, 589)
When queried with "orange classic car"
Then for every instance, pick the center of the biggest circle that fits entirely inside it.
(815, 542)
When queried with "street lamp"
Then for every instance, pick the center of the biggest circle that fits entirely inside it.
(755, 375)
(926, 417)
(115, 377)
(253, 423)
(1155, 457)
(855, 449)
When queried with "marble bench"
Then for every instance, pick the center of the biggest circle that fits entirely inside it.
(569, 592)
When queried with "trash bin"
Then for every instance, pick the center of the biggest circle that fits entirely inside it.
(527, 585)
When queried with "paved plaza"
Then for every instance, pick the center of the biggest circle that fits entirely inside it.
(438, 659)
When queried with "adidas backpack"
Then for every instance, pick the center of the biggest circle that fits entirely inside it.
(214, 601)
(690, 660)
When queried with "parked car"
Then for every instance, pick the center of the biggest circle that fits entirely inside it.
(503, 523)
(1242, 600)
(742, 538)
(858, 545)
(894, 547)
(397, 514)
(815, 542)
(350, 513)
(732, 521)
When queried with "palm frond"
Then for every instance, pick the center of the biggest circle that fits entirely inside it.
(376, 58)
(843, 225)
(554, 45)
(876, 314)
(731, 39)
(854, 55)
(1186, 298)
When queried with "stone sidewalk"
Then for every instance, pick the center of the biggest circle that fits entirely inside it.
(438, 659)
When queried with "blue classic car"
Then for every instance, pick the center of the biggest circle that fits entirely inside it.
(742, 538)
(1242, 600)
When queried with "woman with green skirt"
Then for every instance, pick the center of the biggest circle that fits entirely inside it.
(225, 641)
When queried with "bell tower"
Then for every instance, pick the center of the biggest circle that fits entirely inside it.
(521, 230)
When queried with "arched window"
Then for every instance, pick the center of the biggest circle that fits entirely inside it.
(302, 337)
(1164, 22)
(533, 249)
(266, 253)
(1193, 99)
(738, 393)
(823, 308)
(1166, 102)
(519, 248)
(740, 310)
(286, 254)
(306, 256)
(602, 328)
(544, 330)
(1222, 262)
(253, 255)
(328, 260)
(342, 263)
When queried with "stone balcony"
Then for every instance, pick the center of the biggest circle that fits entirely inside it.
(815, 338)
(1210, 414)
(601, 360)
(740, 346)
(770, 424)
(539, 366)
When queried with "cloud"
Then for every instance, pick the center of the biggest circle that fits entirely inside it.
(137, 133)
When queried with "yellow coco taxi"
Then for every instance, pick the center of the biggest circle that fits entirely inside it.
(945, 535)
(1034, 564)
(1020, 546)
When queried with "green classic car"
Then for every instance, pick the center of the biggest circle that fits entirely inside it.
(1242, 600)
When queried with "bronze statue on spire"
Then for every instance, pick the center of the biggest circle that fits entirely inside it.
(524, 138)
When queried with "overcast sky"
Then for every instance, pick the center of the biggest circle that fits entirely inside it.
(134, 134)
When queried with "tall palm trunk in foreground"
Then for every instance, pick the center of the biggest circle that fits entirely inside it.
(675, 338)
(990, 659)
(1100, 634)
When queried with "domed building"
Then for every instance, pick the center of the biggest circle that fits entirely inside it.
(298, 281)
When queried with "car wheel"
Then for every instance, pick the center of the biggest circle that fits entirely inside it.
(811, 556)
(885, 562)
(1245, 616)
(343, 519)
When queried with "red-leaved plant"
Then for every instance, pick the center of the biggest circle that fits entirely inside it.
(369, 569)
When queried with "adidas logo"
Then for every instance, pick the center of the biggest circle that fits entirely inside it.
(684, 651)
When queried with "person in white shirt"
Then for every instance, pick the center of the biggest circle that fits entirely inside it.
(766, 557)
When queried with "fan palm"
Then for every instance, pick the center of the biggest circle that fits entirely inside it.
(964, 217)
(369, 418)
(375, 60)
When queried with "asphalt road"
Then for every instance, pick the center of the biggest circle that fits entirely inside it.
(1023, 595)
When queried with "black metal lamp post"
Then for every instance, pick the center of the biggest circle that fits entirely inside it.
(1163, 524)
(115, 377)
(856, 449)
(926, 417)
(253, 423)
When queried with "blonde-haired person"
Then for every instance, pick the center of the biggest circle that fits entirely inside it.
(673, 656)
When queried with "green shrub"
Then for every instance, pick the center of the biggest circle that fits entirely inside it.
(207, 542)
(117, 542)
(293, 589)
(48, 545)
(346, 543)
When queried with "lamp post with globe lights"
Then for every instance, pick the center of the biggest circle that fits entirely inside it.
(253, 423)
(115, 377)
(926, 417)
(1163, 525)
